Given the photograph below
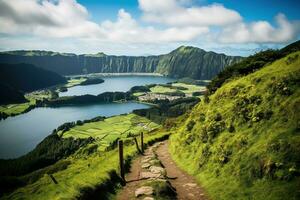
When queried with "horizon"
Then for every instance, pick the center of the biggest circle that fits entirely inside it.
(147, 27)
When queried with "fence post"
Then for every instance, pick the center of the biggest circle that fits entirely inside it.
(121, 159)
(142, 142)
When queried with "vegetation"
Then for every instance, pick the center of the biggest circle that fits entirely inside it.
(91, 81)
(182, 62)
(89, 99)
(27, 78)
(81, 175)
(243, 141)
(167, 109)
(10, 95)
(250, 64)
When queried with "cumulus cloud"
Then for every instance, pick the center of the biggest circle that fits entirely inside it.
(64, 18)
(172, 12)
(261, 31)
(67, 18)
(67, 24)
(126, 29)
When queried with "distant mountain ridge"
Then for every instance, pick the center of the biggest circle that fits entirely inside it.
(184, 61)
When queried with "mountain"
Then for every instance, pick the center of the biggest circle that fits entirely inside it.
(10, 95)
(242, 141)
(16, 79)
(183, 62)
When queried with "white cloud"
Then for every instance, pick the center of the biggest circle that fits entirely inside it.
(66, 24)
(171, 12)
(67, 18)
(126, 29)
(261, 32)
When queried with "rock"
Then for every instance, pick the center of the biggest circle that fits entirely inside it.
(148, 198)
(145, 190)
(146, 165)
(191, 195)
(157, 170)
(150, 175)
(190, 185)
(146, 160)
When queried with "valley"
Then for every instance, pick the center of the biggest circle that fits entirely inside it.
(227, 127)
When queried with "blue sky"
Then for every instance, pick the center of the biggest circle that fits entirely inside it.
(144, 27)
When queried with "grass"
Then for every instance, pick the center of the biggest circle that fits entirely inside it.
(84, 174)
(75, 81)
(244, 143)
(161, 89)
(15, 109)
(108, 131)
(188, 89)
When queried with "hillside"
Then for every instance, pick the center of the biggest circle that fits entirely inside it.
(10, 95)
(182, 62)
(26, 77)
(16, 79)
(242, 142)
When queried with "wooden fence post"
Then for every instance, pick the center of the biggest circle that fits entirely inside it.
(121, 159)
(142, 142)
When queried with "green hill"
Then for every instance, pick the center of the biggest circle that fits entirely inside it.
(243, 141)
(183, 62)
(16, 79)
(26, 77)
(10, 95)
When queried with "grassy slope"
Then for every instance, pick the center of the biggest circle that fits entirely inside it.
(91, 166)
(245, 143)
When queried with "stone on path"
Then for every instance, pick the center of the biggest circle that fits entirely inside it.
(148, 198)
(145, 175)
(145, 190)
(157, 170)
(146, 165)
(190, 185)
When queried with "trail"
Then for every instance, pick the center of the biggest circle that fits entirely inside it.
(184, 185)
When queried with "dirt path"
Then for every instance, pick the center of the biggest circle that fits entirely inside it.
(185, 185)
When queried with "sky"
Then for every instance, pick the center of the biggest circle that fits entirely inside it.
(148, 27)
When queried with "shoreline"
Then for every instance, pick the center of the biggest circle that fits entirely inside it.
(116, 74)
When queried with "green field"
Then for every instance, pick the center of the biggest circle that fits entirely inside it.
(187, 89)
(15, 109)
(75, 81)
(108, 131)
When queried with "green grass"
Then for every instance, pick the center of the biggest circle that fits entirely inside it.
(245, 143)
(174, 87)
(86, 172)
(161, 89)
(109, 130)
(190, 88)
(15, 109)
(75, 81)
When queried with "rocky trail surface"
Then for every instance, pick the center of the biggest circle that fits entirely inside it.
(156, 176)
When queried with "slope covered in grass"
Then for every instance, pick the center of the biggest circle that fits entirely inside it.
(244, 142)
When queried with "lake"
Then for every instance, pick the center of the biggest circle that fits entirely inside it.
(20, 134)
(115, 84)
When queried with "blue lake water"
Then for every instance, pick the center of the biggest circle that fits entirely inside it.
(20, 134)
(115, 84)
